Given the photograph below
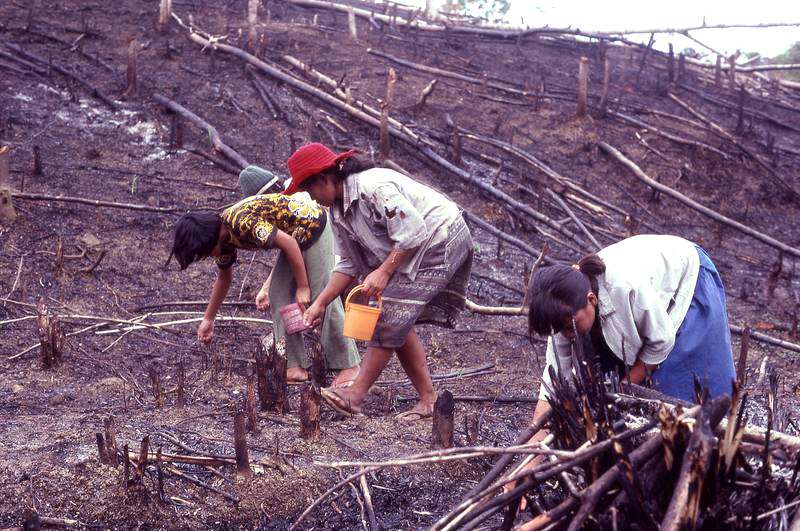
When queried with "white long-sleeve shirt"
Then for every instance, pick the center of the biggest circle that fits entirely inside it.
(643, 297)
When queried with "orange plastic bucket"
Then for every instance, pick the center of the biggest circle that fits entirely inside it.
(360, 319)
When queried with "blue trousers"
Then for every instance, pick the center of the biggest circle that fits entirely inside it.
(703, 342)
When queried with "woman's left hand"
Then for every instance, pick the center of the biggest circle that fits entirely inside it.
(376, 282)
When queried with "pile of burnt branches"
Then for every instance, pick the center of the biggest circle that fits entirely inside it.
(627, 461)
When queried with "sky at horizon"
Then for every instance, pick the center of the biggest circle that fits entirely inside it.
(635, 15)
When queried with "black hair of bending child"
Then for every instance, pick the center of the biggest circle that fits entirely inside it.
(355, 163)
(559, 291)
(196, 235)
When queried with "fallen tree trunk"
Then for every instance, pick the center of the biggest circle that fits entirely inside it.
(216, 140)
(642, 176)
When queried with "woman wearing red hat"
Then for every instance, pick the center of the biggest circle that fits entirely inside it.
(411, 245)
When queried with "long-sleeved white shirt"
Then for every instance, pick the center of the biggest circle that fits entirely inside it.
(643, 297)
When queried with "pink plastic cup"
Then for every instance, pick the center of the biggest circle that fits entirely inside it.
(292, 317)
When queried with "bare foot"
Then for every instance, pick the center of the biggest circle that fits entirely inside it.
(296, 375)
(422, 410)
(346, 377)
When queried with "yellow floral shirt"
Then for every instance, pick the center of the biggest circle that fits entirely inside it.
(253, 223)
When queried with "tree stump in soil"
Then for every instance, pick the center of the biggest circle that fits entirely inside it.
(250, 406)
(7, 212)
(111, 441)
(309, 412)
(155, 385)
(240, 445)
(51, 336)
(443, 417)
(180, 393)
(32, 521)
(101, 448)
(271, 374)
(472, 428)
(319, 365)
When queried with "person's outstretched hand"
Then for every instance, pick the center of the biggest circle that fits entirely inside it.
(313, 315)
(205, 332)
(262, 300)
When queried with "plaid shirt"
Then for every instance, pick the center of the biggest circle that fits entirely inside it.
(383, 210)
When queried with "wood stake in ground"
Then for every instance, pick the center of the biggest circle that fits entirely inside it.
(7, 212)
(583, 86)
(271, 374)
(155, 383)
(391, 79)
(111, 440)
(351, 24)
(132, 72)
(164, 13)
(318, 365)
(443, 420)
(240, 445)
(250, 406)
(37, 161)
(309, 412)
(101, 448)
(424, 93)
(252, 23)
(141, 464)
(603, 106)
(180, 393)
(51, 336)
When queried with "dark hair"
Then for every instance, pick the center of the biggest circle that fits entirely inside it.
(559, 291)
(355, 163)
(196, 235)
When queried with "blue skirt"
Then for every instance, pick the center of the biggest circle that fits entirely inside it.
(703, 342)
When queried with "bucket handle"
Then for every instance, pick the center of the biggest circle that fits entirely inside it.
(356, 290)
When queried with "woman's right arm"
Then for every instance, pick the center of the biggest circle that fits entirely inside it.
(336, 285)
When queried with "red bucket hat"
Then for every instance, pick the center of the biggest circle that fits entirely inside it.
(310, 160)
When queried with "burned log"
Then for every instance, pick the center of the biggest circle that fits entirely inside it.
(213, 134)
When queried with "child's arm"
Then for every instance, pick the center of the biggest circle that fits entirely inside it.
(262, 299)
(294, 256)
(205, 332)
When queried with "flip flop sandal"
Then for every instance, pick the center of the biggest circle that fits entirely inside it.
(336, 403)
(411, 416)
